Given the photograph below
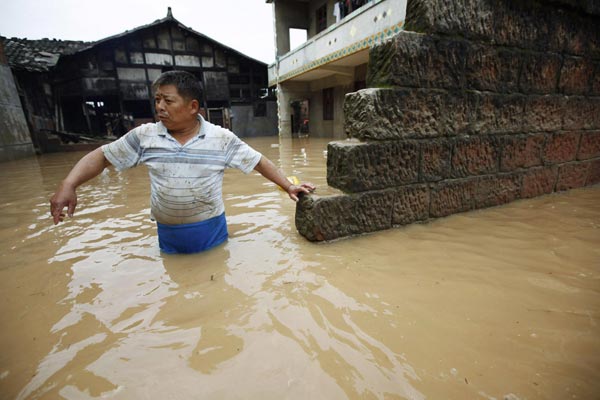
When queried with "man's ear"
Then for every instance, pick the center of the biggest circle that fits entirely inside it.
(194, 106)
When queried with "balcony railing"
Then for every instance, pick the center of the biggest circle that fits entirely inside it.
(371, 24)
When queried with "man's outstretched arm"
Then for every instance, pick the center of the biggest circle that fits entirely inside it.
(267, 169)
(91, 165)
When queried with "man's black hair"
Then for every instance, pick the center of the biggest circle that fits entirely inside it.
(187, 84)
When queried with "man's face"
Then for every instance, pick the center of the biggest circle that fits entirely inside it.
(175, 112)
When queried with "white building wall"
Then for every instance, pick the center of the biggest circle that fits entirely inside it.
(299, 74)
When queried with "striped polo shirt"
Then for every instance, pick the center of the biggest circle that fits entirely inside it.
(186, 180)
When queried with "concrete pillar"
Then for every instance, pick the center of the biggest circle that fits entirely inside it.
(284, 118)
(289, 14)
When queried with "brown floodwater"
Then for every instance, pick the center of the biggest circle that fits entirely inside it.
(502, 303)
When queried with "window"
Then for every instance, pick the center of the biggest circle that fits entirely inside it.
(297, 37)
(178, 44)
(207, 62)
(233, 68)
(105, 60)
(163, 39)
(328, 104)
(89, 62)
(149, 41)
(220, 58)
(135, 43)
(239, 93)
(321, 18)
(191, 44)
(120, 55)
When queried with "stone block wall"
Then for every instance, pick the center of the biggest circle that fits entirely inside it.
(477, 104)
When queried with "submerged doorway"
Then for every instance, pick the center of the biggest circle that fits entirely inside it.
(300, 117)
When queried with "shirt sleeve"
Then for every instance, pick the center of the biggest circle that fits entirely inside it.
(240, 155)
(124, 152)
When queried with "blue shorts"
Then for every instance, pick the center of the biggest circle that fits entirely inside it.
(192, 238)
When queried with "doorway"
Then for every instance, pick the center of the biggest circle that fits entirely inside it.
(300, 117)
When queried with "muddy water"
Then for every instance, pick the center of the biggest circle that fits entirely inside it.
(494, 304)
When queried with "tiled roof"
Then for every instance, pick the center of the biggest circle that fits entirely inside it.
(38, 55)
(171, 19)
(43, 54)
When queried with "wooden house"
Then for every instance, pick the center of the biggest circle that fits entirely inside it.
(103, 88)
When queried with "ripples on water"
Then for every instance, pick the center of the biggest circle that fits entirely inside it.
(496, 303)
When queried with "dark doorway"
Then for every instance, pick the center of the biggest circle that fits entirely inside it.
(300, 117)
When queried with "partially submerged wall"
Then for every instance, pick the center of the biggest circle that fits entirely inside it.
(15, 140)
(489, 102)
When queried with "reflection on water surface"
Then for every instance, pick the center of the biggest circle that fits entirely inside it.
(496, 303)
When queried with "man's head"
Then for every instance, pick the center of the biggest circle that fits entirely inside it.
(187, 85)
(177, 100)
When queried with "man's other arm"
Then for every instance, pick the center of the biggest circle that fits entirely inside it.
(90, 166)
(267, 169)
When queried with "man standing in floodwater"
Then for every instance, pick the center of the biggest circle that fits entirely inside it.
(186, 157)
